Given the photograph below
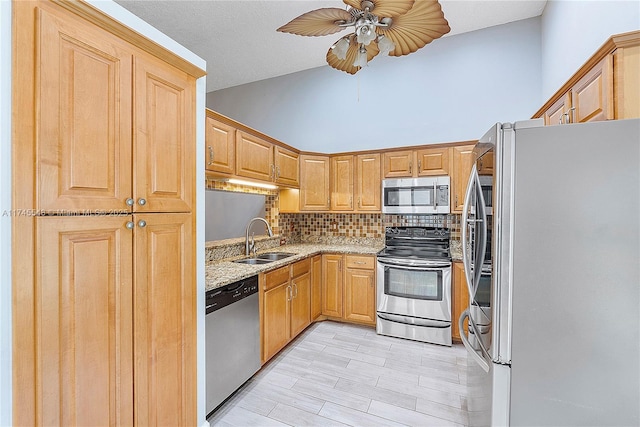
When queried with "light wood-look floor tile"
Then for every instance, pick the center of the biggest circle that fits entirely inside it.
(337, 374)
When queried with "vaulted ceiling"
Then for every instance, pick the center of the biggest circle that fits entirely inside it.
(238, 38)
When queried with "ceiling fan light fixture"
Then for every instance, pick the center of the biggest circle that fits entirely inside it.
(340, 48)
(396, 28)
(361, 57)
(385, 45)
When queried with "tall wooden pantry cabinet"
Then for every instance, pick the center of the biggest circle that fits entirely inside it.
(104, 312)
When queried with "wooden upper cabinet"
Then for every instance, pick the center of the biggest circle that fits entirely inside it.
(286, 167)
(462, 164)
(341, 183)
(314, 183)
(398, 164)
(84, 335)
(606, 87)
(415, 163)
(164, 321)
(164, 137)
(558, 112)
(254, 157)
(220, 147)
(592, 95)
(83, 73)
(486, 164)
(433, 161)
(368, 183)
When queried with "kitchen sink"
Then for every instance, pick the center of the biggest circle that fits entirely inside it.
(274, 256)
(253, 261)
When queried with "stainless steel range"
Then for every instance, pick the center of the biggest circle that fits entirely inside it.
(414, 285)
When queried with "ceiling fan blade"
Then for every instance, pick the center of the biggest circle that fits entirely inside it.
(384, 8)
(346, 64)
(320, 22)
(424, 23)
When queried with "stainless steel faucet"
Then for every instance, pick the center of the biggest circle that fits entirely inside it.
(248, 248)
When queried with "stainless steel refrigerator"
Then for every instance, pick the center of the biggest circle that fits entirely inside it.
(551, 248)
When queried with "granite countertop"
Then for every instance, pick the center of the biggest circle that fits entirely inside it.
(220, 273)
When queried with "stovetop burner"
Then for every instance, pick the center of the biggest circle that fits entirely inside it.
(417, 243)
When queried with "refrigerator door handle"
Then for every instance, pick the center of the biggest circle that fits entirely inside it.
(465, 341)
(465, 224)
(482, 246)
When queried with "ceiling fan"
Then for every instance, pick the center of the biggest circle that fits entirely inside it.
(393, 27)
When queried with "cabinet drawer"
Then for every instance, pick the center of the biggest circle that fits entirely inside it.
(360, 261)
(276, 277)
(301, 267)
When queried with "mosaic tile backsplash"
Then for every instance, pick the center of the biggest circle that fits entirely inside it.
(335, 228)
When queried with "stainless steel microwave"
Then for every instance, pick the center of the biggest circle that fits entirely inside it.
(426, 195)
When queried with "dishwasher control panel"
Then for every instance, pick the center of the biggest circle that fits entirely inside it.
(228, 294)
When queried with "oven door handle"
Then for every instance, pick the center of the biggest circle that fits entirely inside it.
(414, 267)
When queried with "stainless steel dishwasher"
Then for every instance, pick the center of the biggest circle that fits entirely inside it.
(232, 328)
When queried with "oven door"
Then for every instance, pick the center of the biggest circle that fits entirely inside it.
(419, 291)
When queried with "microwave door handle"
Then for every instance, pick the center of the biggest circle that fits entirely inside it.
(465, 224)
(465, 341)
(435, 196)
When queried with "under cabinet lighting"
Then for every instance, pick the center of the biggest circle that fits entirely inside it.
(251, 183)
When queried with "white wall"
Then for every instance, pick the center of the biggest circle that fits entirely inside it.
(573, 30)
(453, 89)
(5, 206)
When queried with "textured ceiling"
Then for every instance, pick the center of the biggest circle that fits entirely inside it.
(238, 38)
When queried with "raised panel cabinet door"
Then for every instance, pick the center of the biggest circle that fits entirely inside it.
(592, 95)
(332, 285)
(486, 164)
(300, 303)
(164, 137)
(254, 157)
(359, 295)
(220, 147)
(398, 164)
(164, 319)
(460, 298)
(314, 183)
(316, 287)
(433, 161)
(276, 328)
(83, 96)
(368, 182)
(84, 362)
(462, 164)
(342, 174)
(287, 167)
(557, 113)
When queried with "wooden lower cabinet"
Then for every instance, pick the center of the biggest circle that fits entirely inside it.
(360, 289)
(460, 298)
(332, 285)
(316, 287)
(110, 329)
(275, 312)
(286, 306)
(349, 293)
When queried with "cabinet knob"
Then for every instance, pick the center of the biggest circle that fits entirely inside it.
(130, 225)
(130, 201)
(142, 223)
(142, 201)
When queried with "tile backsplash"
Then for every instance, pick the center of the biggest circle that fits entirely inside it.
(365, 228)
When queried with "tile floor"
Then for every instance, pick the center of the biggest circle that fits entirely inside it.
(337, 374)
